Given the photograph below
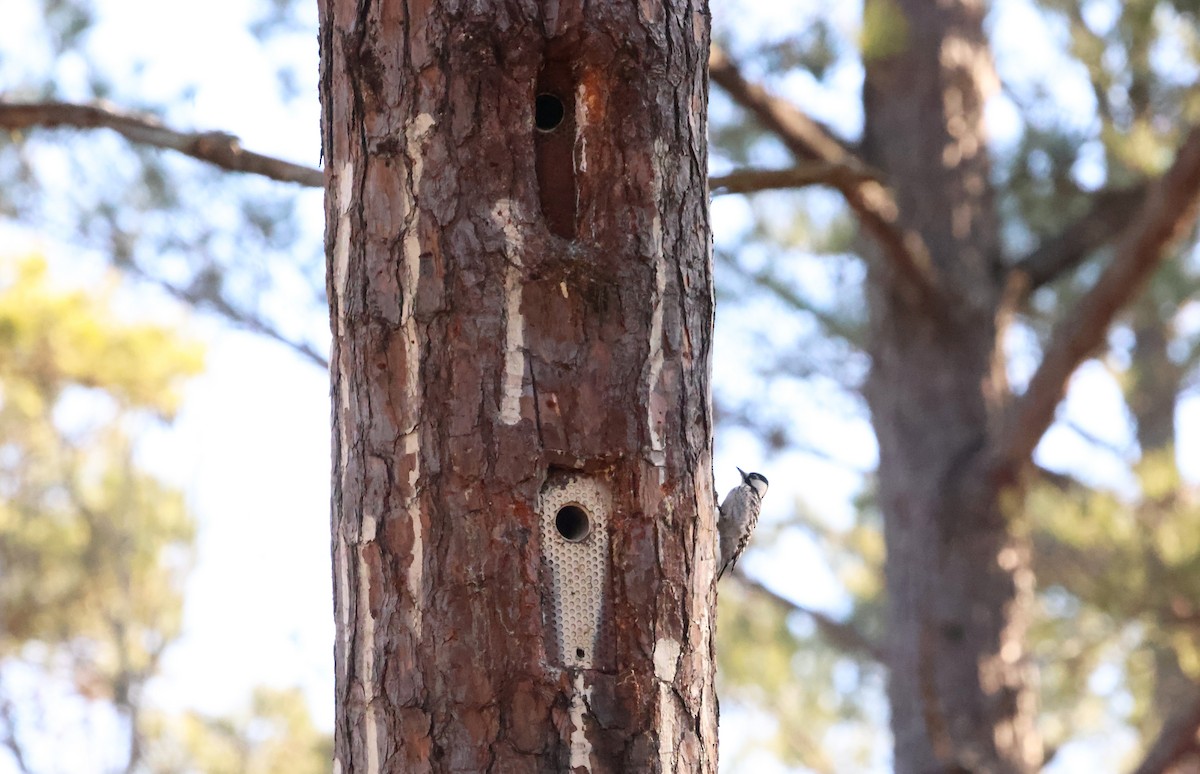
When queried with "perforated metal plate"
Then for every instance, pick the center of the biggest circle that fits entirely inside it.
(577, 565)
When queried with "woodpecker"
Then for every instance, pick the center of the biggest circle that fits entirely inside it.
(736, 519)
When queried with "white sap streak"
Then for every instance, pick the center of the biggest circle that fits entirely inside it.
(704, 562)
(411, 253)
(412, 265)
(581, 122)
(343, 572)
(344, 423)
(655, 360)
(341, 245)
(372, 740)
(581, 748)
(666, 659)
(655, 408)
(341, 269)
(416, 134)
(514, 322)
(514, 348)
(366, 651)
(666, 662)
(415, 577)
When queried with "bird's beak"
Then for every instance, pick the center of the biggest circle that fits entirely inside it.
(739, 470)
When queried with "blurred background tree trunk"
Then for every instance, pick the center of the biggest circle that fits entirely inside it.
(959, 585)
(955, 441)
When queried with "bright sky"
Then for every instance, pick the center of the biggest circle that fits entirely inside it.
(252, 444)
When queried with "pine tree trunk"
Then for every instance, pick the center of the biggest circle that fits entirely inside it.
(959, 582)
(1152, 394)
(522, 303)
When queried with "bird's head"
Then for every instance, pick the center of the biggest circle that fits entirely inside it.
(756, 481)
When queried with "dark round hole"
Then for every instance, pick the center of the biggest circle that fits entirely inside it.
(579, 653)
(573, 523)
(548, 112)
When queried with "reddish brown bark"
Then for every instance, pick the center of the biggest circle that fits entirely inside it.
(217, 148)
(507, 313)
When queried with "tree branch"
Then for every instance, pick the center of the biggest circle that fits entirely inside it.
(871, 201)
(751, 180)
(1177, 738)
(842, 635)
(218, 148)
(803, 136)
(763, 278)
(1167, 211)
(202, 293)
(1100, 443)
(248, 321)
(223, 150)
(1111, 211)
(9, 736)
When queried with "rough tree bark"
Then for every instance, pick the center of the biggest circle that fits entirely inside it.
(521, 292)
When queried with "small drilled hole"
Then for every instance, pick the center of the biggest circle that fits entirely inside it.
(573, 523)
(579, 653)
(548, 112)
